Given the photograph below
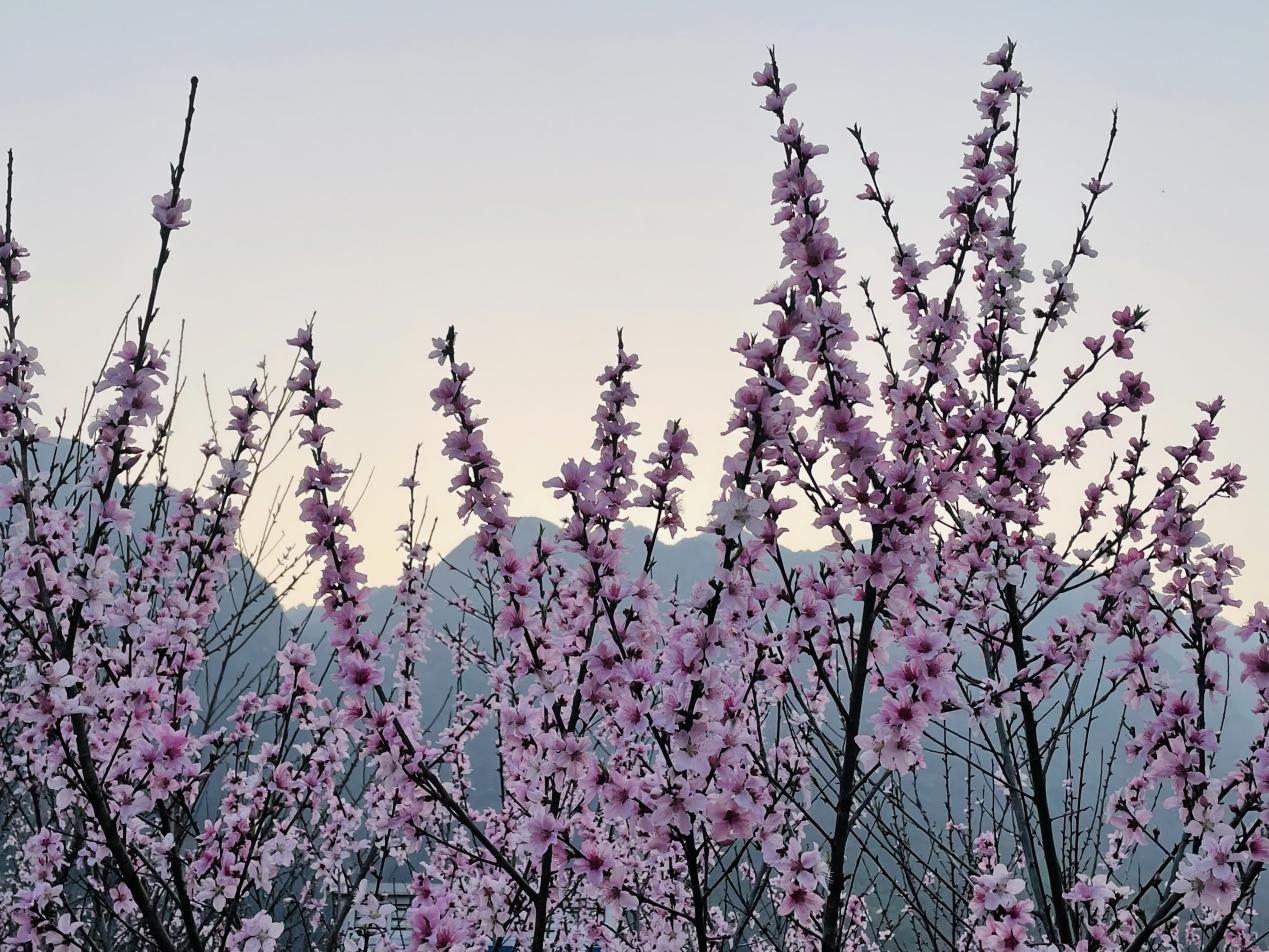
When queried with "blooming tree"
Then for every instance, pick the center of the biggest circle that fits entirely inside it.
(974, 719)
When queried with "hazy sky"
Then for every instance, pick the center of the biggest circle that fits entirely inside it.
(539, 174)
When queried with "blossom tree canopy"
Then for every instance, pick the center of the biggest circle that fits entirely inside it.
(980, 717)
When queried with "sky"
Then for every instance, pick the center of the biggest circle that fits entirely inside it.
(541, 174)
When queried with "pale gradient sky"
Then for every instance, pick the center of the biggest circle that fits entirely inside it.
(539, 174)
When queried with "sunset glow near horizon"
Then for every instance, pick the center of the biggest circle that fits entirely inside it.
(539, 178)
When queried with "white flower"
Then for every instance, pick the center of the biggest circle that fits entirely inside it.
(258, 934)
(738, 512)
(1055, 274)
(999, 887)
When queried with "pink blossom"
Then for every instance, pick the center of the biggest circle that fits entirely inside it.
(170, 212)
